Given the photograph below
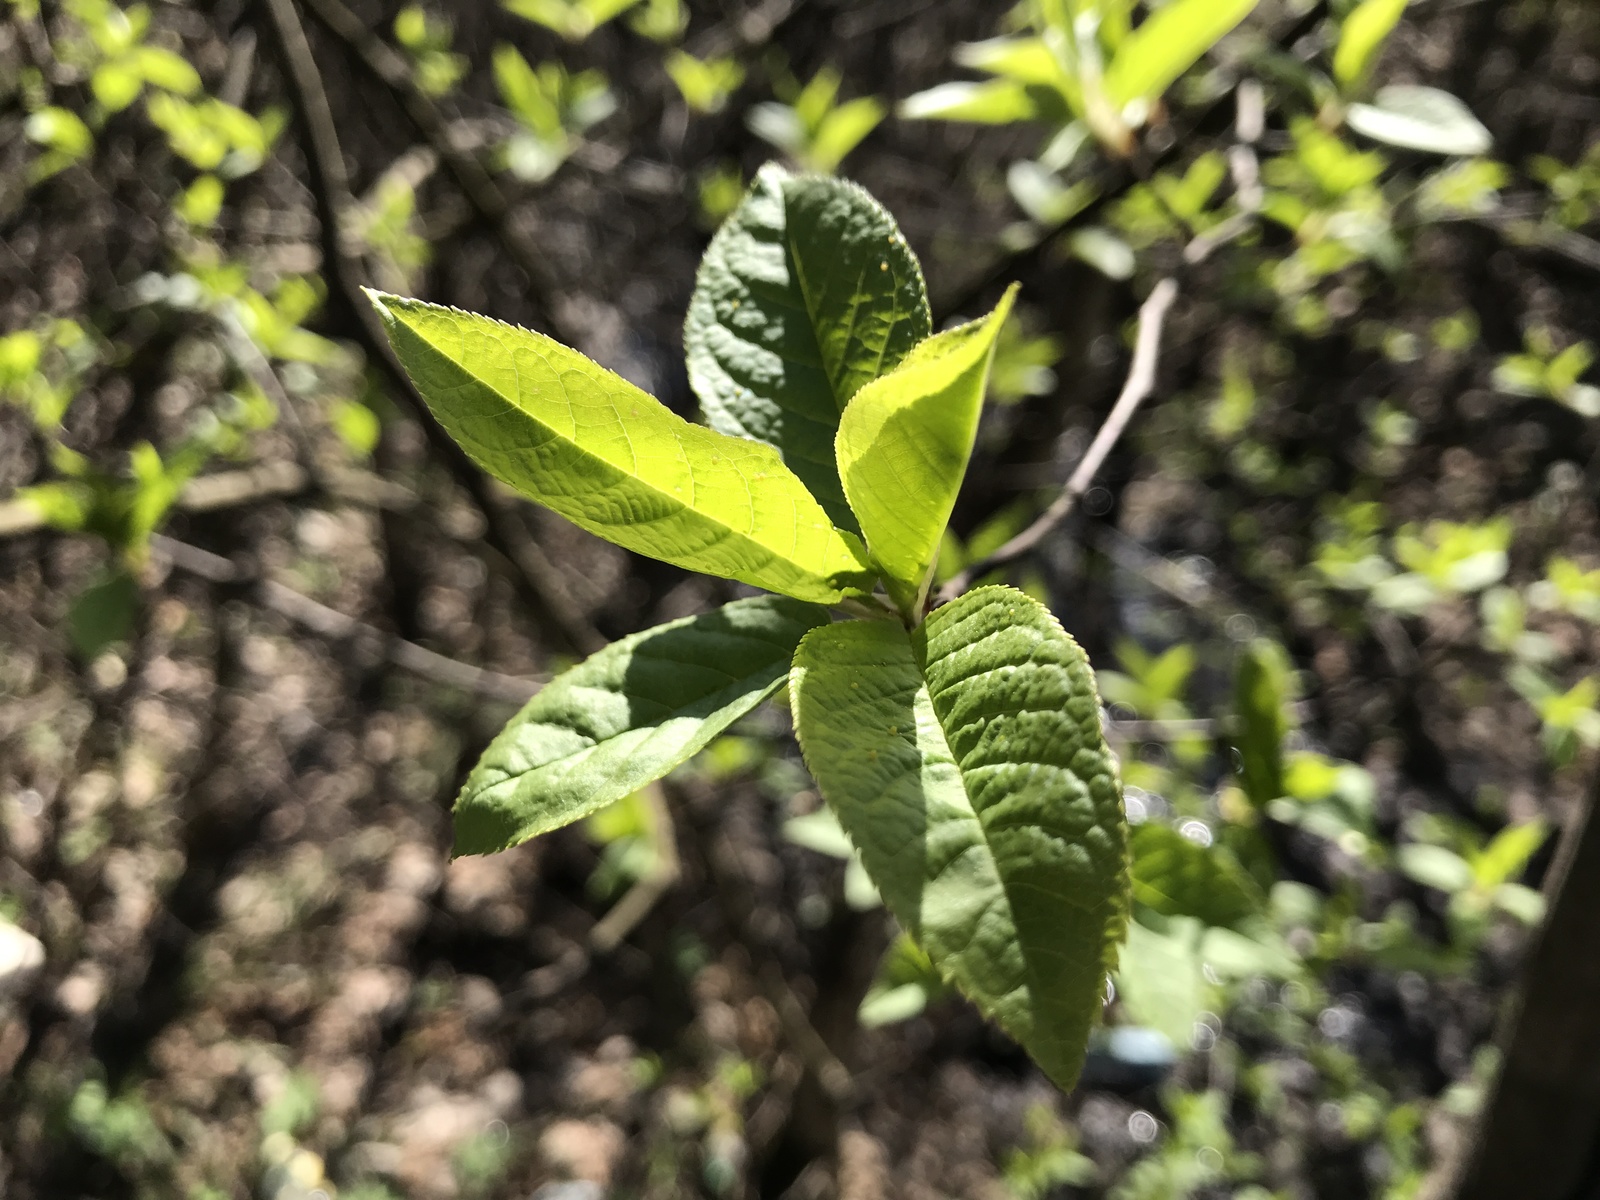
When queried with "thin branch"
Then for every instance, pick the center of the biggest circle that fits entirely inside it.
(390, 67)
(1140, 383)
(664, 872)
(229, 489)
(330, 187)
(1523, 233)
(336, 626)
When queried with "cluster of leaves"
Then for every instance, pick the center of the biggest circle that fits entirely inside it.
(254, 319)
(960, 749)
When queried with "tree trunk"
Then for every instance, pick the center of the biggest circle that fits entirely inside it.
(1539, 1135)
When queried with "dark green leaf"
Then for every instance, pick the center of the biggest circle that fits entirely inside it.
(1178, 878)
(103, 614)
(966, 762)
(627, 716)
(807, 292)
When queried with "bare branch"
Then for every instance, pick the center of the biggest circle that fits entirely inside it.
(336, 626)
(638, 900)
(1140, 383)
(539, 583)
(390, 67)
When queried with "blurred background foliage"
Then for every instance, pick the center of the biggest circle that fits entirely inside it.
(1341, 580)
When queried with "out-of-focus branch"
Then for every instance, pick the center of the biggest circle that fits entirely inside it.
(1139, 384)
(335, 625)
(1249, 118)
(390, 67)
(539, 582)
(639, 899)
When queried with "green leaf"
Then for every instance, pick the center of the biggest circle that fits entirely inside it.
(966, 762)
(992, 102)
(903, 447)
(1435, 867)
(1262, 692)
(1361, 37)
(103, 614)
(842, 130)
(1504, 858)
(627, 716)
(61, 129)
(1171, 41)
(167, 70)
(1161, 982)
(1420, 118)
(1523, 903)
(201, 203)
(615, 461)
(704, 85)
(1027, 60)
(116, 84)
(905, 982)
(807, 292)
(1179, 878)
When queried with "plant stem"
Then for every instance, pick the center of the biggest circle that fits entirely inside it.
(1137, 387)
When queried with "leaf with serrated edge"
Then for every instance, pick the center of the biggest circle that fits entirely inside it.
(903, 447)
(626, 716)
(966, 762)
(585, 442)
(807, 292)
(1178, 878)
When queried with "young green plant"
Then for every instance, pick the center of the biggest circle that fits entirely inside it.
(961, 749)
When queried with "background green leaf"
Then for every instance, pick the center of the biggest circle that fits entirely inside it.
(806, 293)
(103, 614)
(1179, 878)
(1169, 42)
(903, 447)
(1262, 691)
(1361, 37)
(967, 764)
(992, 102)
(625, 717)
(1420, 118)
(613, 460)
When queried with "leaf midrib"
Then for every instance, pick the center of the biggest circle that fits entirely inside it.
(570, 442)
(1037, 997)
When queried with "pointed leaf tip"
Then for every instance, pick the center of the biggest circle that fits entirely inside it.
(904, 444)
(612, 459)
(625, 717)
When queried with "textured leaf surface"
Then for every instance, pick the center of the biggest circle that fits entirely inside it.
(966, 762)
(1170, 41)
(610, 458)
(1178, 878)
(903, 447)
(626, 716)
(805, 294)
